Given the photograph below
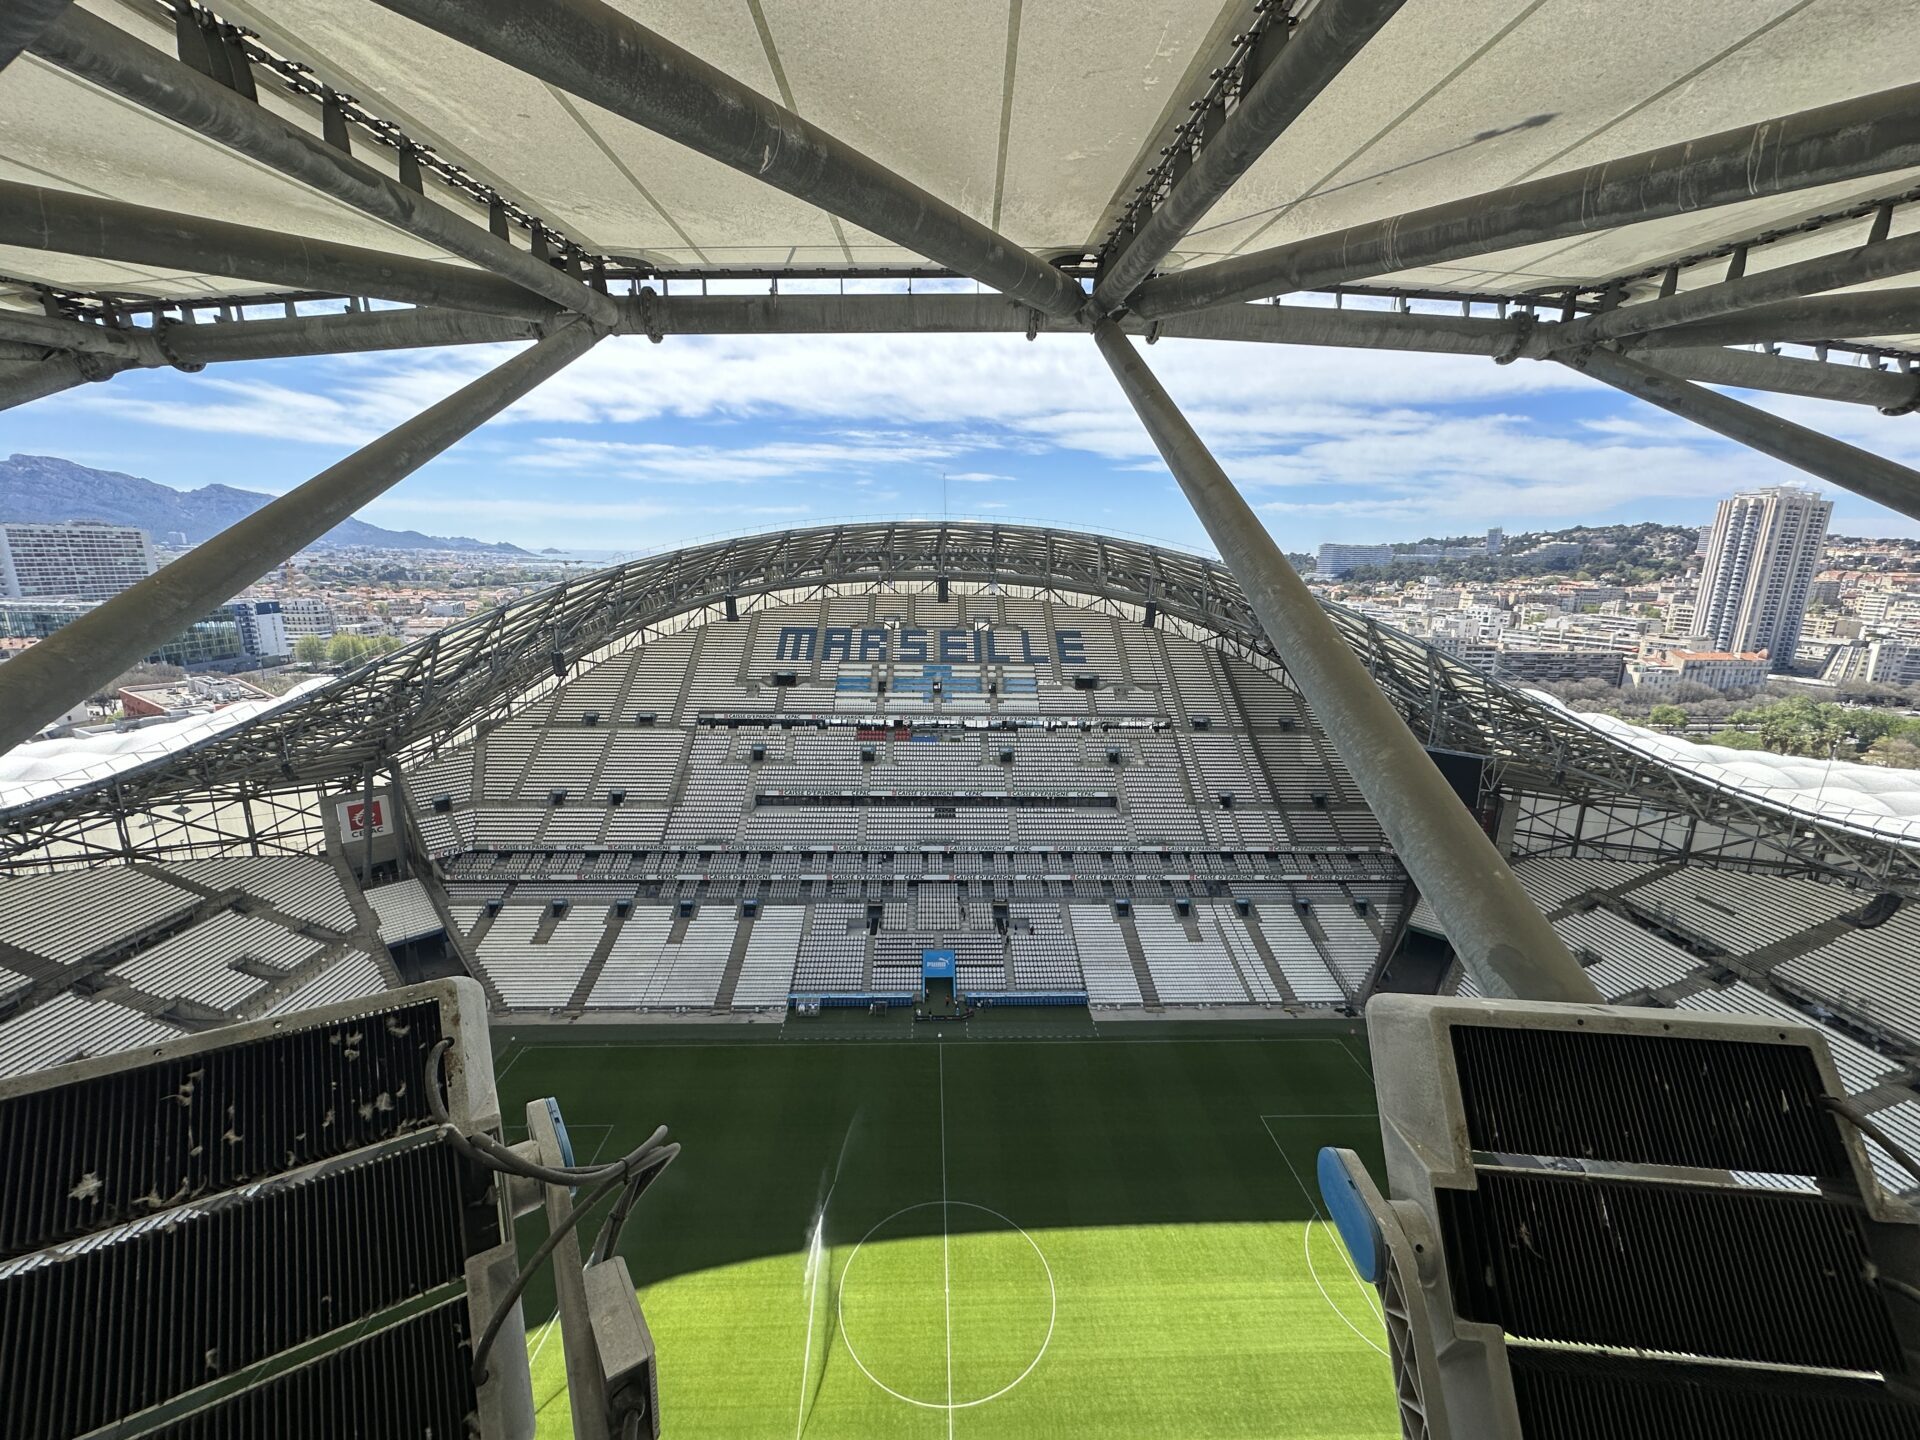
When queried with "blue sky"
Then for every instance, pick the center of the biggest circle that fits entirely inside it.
(637, 446)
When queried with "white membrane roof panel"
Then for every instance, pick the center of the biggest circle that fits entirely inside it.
(613, 186)
(1097, 83)
(65, 134)
(1035, 118)
(1455, 99)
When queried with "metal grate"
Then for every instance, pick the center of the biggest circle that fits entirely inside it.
(1766, 1276)
(87, 1156)
(1647, 1099)
(107, 1326)
(1604, 1397)
(408, 1383)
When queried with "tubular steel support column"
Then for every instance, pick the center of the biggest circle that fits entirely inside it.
(1847, 466)
(108, 56)
(1871, 135)
(77, 659)
(1331, 35)
(1497, 930)
(71, 224)
(591, 50)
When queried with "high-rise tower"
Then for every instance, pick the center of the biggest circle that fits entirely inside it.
(1762, 555)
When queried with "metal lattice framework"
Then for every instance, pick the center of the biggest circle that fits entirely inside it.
(270, 773)
(1736, 208)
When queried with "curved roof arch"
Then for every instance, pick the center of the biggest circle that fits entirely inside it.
(438, 691)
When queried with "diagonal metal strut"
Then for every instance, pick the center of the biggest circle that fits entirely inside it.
(69, 666)
(1499, 933)
(1848, 466)
(1330, 36)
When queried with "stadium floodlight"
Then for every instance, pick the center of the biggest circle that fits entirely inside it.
(1679, 1234)
(309, 1231)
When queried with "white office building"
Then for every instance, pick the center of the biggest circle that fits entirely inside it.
(1333, 561)
(82, 561)
(1762, 555)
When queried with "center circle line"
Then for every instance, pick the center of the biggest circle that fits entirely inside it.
(1053, 1303)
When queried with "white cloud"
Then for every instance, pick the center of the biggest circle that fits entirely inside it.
(1342, 440)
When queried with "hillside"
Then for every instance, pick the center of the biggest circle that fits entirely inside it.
(46, 488)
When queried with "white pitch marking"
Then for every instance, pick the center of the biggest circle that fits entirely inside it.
(1371, 1303)
(1053, 1302)
(946, 1233)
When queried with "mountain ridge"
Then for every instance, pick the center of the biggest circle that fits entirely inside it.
(46, 489)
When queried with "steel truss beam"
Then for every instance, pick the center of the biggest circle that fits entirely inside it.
(50, 333)
(23, 381)
(592, 51)
(1817, 317)
(109, 57)
(1498, 931)
(71, 224)
(656, 316)
(470, 676)
(1864, 473)
(1862, 265)
(69, 666)
(1305, 62)
(1870, 135)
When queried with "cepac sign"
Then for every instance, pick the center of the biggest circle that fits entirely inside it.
(360, 817)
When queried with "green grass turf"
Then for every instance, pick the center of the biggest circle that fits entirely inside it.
(1123, 1247)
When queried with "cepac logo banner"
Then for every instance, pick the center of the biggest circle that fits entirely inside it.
(358, 816)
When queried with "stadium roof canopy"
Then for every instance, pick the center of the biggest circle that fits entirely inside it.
(1657, 194)
(1851, 822)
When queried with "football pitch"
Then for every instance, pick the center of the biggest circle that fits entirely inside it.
(967, 1233)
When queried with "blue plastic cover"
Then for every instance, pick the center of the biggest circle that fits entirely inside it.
(560, 1131)
(1350, 1215)
(937, 964)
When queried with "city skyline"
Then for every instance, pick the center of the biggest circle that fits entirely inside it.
(639, 446)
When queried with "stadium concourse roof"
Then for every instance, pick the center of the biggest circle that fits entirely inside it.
(1642, 191)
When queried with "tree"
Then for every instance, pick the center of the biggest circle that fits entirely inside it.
(1667, 717)
(310, 650)
(1900, 751)
(356, 649)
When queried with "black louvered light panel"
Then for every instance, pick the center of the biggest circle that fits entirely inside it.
(1767, 1276)
(86, 1156)
(105, 1327)
(1564, 1396)
(419, 1369)
(1647, 1099)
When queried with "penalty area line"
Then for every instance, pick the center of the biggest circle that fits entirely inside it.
(1313, 1202)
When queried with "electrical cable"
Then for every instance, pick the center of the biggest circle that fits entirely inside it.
(1858, 1119)
(485, 1150)
(650, 1166)
(634, 1171)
